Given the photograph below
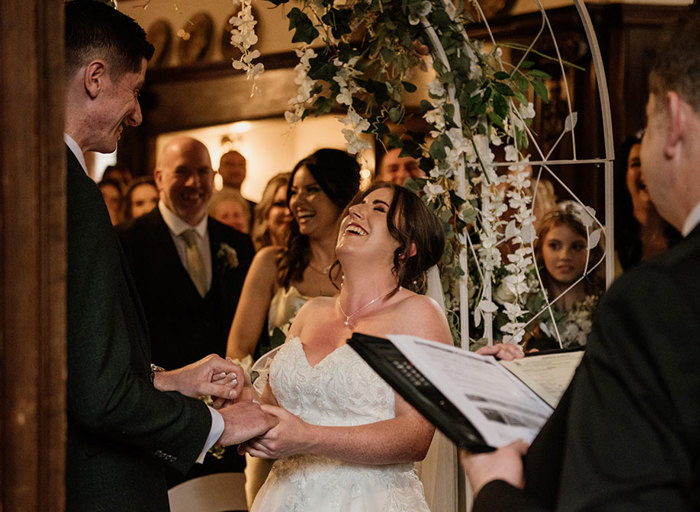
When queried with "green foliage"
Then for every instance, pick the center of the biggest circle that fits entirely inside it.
(371, 48)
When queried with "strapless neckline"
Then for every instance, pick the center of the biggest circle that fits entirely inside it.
(297, 340)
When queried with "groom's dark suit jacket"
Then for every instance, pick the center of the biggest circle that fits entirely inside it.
(120, 429)
(184, 326)
(626, 435)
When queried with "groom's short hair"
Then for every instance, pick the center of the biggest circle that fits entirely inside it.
(95, 30)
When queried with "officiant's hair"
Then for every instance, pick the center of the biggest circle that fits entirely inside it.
(676, 65)
(410, 221)
(96, 30)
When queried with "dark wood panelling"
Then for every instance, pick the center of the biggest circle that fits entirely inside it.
(32, 261)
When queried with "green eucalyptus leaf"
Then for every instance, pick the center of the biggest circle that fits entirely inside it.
(394, 141)
(339, 21)
(500, 106)
(323, 105)
(426, 106)
(439, 18)
(409, 86)
(301, 24)
(540, 90)
(395, 114)
(539, 74)
(501, 75)
(437, 149)
(426, 164)
(502, 89)
(527, 64)
(495, 119)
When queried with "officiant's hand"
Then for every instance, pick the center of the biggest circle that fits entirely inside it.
(243, 421)
(505, 464)
(211, 375)
(504, 351)
(290, 436)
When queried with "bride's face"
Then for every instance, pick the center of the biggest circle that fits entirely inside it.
(365, 231)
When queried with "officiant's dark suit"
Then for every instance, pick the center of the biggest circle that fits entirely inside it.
(186, 322)
(626, 435)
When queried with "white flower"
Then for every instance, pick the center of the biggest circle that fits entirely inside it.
(432, 190)
(511, 153)
(436, 89)
(527, 111)
(227, 255)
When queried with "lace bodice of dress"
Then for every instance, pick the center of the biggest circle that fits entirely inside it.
(341, 390)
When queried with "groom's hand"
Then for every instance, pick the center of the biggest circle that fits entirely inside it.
(243, 421)
(211, 375)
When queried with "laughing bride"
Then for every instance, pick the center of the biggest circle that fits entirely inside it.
(345, 441)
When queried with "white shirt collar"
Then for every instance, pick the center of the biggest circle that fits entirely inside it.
(691, 220)
(76, 150)
(179, 226)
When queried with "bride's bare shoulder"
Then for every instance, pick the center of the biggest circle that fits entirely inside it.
(421, 316)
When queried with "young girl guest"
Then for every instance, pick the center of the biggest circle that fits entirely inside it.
(561, 252)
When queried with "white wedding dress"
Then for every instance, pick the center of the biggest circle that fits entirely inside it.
(341, 390)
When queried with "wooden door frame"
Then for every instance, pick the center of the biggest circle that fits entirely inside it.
(32, 257)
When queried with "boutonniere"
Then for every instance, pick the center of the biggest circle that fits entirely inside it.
(228, 255)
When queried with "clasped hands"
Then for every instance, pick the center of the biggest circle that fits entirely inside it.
(228, 384)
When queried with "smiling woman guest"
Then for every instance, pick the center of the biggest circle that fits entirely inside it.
(282, 278)
(141, 197)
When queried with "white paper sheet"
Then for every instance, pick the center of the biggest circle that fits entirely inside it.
(499, 406)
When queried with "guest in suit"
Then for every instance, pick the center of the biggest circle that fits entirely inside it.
(125, 421)
(626, 435)
(189, 270)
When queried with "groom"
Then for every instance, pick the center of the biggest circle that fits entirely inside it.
(626, 435)
(124, 422)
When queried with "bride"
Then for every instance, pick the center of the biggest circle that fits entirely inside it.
(345, 441)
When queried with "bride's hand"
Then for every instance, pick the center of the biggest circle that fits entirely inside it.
(505, 351)
(291, 436)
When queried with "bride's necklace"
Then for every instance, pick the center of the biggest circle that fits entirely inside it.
(357, 311)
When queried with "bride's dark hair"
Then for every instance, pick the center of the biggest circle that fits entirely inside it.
(410, 222)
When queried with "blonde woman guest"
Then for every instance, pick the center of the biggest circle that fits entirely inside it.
(272, 215)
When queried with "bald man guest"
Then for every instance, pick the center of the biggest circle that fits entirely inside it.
(189, 270)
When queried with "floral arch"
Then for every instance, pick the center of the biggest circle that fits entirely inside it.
(482, 159)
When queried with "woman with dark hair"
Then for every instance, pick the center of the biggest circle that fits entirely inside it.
(272, 215)
(563, 257)
(345, 440)
(141, 197)
(640, 232)
(281, 279)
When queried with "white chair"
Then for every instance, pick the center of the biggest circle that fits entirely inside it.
(210, 493)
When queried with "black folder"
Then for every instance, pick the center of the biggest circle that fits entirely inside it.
(400, 374)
